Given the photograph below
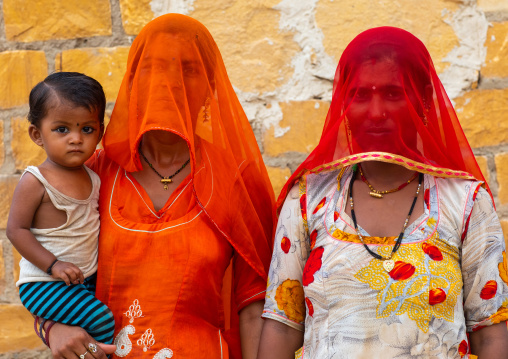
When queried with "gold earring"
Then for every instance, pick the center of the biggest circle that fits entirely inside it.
(348, 129)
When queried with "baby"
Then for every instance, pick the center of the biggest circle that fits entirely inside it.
(54, 219)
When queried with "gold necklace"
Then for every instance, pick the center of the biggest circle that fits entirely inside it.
(379, 194)
(164, 180)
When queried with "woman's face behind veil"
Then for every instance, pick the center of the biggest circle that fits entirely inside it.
(174, 77)
(379, 108)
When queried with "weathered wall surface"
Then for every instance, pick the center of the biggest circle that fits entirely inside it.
(281, 57)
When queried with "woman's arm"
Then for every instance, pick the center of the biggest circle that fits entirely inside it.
(279, 341)
(251, 324)
(490, 342)
(70, 342)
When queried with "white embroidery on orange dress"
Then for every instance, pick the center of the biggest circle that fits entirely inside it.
(122, 341)
(165, 353)
(147, 340)
(134, 311)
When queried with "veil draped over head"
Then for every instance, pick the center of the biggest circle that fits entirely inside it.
(389, 105)
(176, 81)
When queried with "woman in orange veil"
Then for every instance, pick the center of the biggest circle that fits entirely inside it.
(186, 206)
(388, 244)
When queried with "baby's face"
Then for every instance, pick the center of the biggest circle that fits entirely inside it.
(68, 134)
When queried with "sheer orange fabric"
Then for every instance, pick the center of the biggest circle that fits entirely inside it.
(389, 105)
(169, 264)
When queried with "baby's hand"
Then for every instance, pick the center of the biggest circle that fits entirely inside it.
(68, 272)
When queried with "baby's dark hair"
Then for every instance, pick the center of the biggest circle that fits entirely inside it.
(76, 88)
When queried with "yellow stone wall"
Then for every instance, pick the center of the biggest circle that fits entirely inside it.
(281, 57)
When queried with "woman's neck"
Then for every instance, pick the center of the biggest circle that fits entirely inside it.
(164, 148)
(382, 174)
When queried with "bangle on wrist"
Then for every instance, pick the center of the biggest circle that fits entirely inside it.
(50, 268)
(36, 322)
(41, 327)
(46, 338)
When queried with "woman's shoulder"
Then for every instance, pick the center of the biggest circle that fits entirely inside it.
(456, 187)
(100, 163)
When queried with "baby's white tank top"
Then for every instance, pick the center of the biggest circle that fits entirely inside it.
(75, 241)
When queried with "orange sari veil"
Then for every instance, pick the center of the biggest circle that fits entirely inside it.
(176, 81)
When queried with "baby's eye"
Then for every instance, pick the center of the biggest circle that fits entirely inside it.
(61, 129)
(88, 129)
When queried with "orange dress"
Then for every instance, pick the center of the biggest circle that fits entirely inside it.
(162, 274)
(175, 279)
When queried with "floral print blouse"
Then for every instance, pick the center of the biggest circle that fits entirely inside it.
(450, 274)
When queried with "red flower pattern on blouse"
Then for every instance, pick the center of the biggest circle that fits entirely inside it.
(436, 296)
(310, 307)
(463, 346)
(335, 216)
(312, 266)
(313, 237)
(320, 205)
(489, 290)
(432, 251)
(402, 271)
(303, 206)
(285, 244)
(426, 198)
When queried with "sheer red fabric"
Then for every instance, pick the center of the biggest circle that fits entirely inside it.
(389, 105)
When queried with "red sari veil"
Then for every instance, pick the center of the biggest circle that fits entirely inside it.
(423, 135)
(176, 81)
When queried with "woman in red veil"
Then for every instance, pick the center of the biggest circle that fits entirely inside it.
(186, 207)
(388, 244)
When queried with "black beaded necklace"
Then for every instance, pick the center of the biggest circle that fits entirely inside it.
(164, 180)
(388, 263)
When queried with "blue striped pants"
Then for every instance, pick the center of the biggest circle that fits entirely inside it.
(71, 305)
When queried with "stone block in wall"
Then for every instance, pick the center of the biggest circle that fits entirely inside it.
(135, 15)
(19, 72)
(7, 185)
(25, 152)
(106, 65)
(15, 268)
(502, 176)
(482, 114)
(341, 21)
(278, 177)
(17, 329)
(504, 225)
(2, 145)
(2, 270)
(305, 120)
(497, 51)
(256, 52)
(28, 20)
(484, 167)
(493, 5)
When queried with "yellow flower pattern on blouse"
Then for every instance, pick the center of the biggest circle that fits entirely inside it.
(414, 294)
(290, 298)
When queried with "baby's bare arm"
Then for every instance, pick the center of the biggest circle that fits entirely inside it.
(26, 200)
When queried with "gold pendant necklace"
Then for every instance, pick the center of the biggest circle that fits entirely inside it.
(388, 263)
(167, 179)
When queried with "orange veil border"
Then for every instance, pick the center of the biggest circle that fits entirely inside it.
(176, 81)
